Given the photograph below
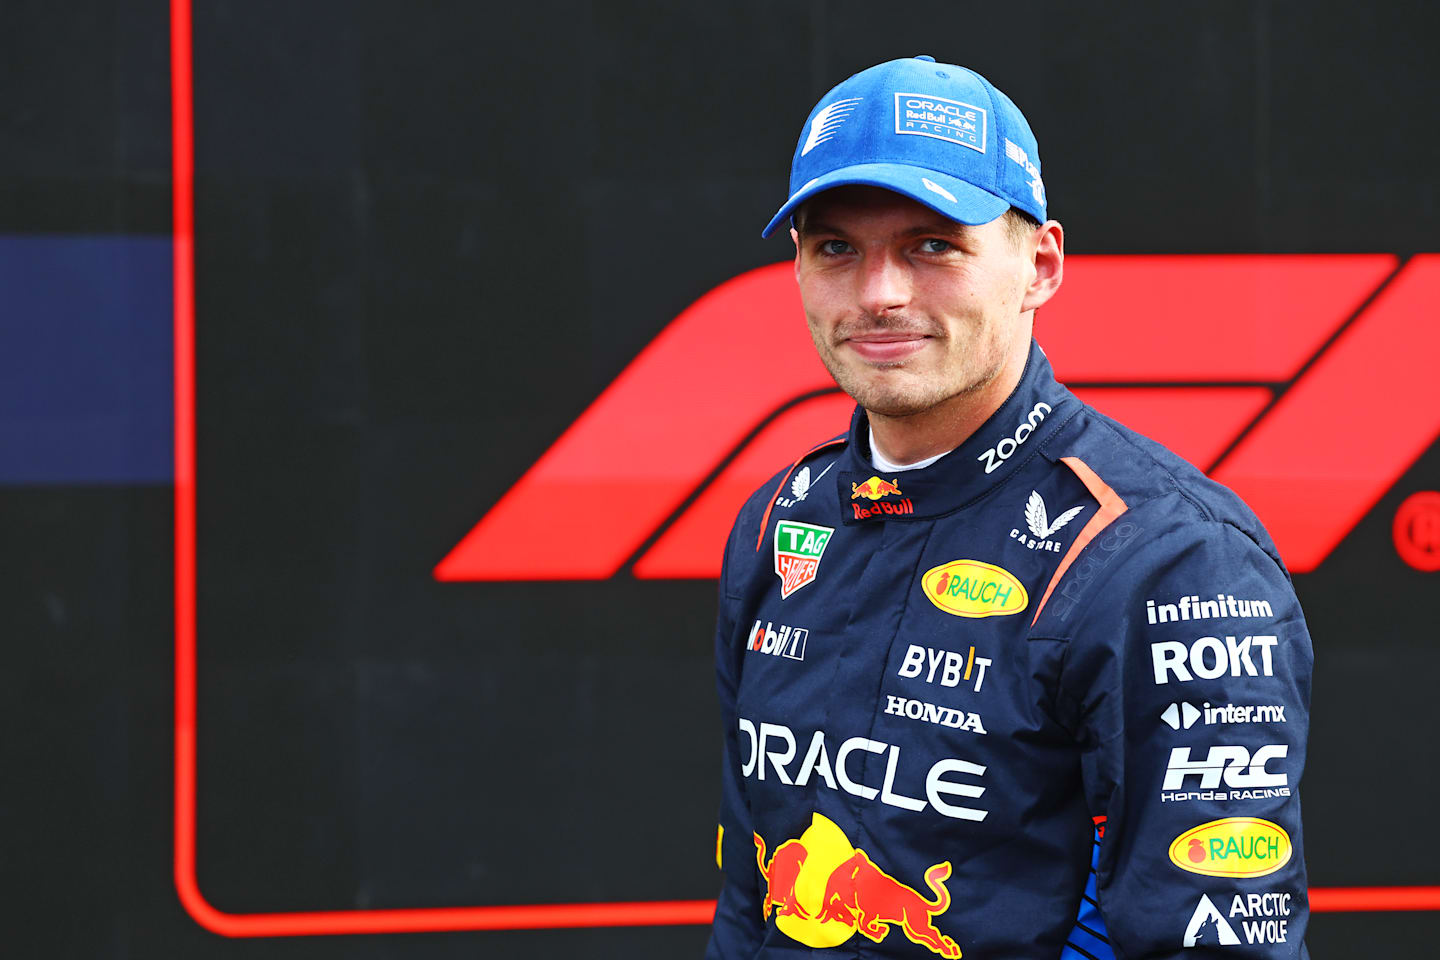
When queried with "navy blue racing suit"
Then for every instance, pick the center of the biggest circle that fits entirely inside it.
(1044, 698)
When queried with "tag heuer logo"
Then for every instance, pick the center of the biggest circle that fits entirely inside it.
(798, 548)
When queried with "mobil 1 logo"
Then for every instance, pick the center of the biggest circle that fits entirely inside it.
(778, 641)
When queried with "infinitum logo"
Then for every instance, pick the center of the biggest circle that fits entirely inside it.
(1193, 608)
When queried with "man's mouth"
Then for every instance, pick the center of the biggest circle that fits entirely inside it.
(887, 346)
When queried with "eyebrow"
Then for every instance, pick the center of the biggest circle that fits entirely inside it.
(943, 228)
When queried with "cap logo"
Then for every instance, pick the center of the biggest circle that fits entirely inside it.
(934, 187)
(943, 119)
(1017, 153)
(826, 122)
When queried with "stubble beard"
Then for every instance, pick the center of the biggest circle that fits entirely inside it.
(878, 389)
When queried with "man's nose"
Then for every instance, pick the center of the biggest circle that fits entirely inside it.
(884, 283)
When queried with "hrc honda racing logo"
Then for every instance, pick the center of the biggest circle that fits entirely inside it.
(1235, 765)
(773, 748)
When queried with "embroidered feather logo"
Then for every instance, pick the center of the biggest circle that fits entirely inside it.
(823, 127)
(802, 484)
(1039, 521)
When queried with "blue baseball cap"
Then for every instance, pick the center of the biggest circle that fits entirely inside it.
(937, 133)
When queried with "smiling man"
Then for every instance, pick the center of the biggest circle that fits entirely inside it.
(1005, 680)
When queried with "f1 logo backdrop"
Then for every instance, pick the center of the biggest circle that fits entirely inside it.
(1247, 365)
(1302, 382)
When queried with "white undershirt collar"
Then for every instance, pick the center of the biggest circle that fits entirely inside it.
(877, 459)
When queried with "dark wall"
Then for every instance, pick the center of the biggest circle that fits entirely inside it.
(428, 237)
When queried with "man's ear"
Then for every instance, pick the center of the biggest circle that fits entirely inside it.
(1049, 260)
(795, 239)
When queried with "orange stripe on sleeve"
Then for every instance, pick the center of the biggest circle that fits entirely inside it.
(765, 520)
(1111, 507)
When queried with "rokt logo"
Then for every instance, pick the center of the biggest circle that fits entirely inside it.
(1210, 657)
(787, 641)
(824, 890)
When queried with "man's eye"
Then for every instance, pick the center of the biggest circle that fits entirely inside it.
(834, 248)
(935, 246)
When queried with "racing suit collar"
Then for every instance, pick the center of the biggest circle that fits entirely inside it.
(1004, 443)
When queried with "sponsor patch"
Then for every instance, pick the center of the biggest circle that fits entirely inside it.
(973, 588)
(1037, 518)
(1005, 449)
(801, 486)
(875, 489)
(1232, 847)
(1261, 917)
(798, 549)
(1193, 608)
(1182, 715)
(931, 713)
(1244, 773)
(954, 121)
(781, 641)
(948, 667)
(823, 890)
(1212, 657)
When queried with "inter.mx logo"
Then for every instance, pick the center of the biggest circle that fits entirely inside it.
(1252, 377)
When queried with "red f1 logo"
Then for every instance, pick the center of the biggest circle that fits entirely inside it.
(1301, 382)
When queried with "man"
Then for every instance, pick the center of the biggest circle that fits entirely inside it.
(999, 677)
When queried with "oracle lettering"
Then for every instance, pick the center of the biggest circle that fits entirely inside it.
(939, 788)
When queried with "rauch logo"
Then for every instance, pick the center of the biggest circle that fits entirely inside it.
(972, 588)
(1232, 847)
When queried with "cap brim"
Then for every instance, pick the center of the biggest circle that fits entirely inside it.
(946, 195)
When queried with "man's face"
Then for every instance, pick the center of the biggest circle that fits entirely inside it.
(908, 308)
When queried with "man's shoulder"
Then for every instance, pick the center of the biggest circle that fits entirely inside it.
(1169, 494)
(802, 480)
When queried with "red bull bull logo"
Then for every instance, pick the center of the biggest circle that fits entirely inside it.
(874, 489)
(823, 891)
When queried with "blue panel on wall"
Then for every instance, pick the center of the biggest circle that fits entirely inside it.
(86, 347)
